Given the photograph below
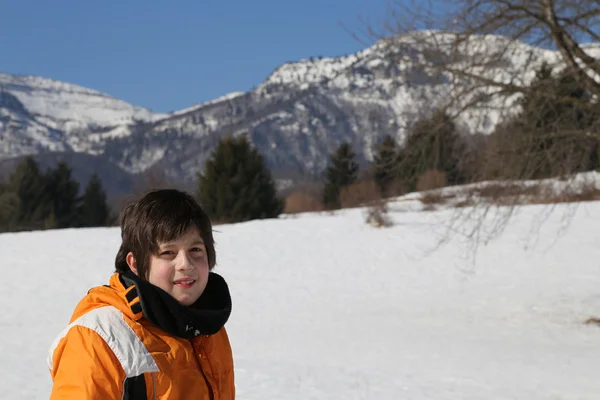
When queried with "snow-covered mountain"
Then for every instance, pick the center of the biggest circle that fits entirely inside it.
(49, 115)
(296, 117)
(66, 105)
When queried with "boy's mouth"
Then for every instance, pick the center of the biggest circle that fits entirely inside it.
(185, 283)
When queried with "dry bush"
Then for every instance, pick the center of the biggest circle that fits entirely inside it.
(467, 202)
(508, 193)
(431, 198)
(397, 187)
(512, 193)
(431, 179)
(359, 193)
(573, 194)
(377, 214)
(592, 321)
(499, 190)
(298, 202)
(427, 183)
(591, 195)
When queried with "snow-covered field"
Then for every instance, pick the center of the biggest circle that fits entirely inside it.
(326, 307)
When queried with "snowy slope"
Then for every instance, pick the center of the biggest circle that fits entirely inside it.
(227, 97)
(21, 131)
(326, 307)
(63, 116)
(393, 73)
(69, 105)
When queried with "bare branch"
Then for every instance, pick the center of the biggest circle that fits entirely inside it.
(568, 47)
(485, 55)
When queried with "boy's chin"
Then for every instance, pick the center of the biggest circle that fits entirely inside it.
(186, 299)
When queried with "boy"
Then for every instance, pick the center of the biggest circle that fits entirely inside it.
(157, 330)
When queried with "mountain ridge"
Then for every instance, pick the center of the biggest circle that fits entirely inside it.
(296, 117)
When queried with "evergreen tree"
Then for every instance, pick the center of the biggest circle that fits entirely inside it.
(342, 172)
(9, 209)
(94, 210)
(236, 185)
(555, 134)
(62, 191)
(384, 163)
(432, 144)
(556, 102)
(28, 184)
(554, 127)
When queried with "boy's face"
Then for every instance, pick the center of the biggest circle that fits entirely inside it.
(181, 267)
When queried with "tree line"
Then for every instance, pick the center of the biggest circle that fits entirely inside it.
(32, 199)
(555, 134)
(234, 186)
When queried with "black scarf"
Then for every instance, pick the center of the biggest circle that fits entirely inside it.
(205, 317)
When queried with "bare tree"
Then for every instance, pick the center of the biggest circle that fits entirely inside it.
(484, 57)
(454, 39)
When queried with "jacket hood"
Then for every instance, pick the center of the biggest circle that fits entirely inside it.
(114, 294)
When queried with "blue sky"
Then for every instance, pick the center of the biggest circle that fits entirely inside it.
(167, 55)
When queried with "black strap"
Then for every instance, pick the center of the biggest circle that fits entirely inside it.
(135, 388)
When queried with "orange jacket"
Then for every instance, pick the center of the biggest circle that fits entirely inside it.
(111, 352)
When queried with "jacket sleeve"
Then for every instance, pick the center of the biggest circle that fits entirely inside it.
(84, 367)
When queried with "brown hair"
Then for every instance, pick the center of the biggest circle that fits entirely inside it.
(160, 216)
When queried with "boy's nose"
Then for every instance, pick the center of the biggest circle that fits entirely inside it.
(184, 263)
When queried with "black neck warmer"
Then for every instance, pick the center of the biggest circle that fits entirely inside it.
(205, 317)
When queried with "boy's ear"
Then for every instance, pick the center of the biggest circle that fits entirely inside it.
(131, 262)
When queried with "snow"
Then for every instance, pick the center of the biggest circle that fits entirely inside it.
(65, 102)
(226, 97)
(315, 70)
(116, 132)
(409, 88)
(33, 135)
(327, 307)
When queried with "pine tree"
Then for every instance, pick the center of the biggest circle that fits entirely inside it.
(62, 190)
(342, 172)
(236, 184)
(432, 144)
(557, 118)
(94, 210)
(28, 184)
(9, 209)
(385, 163)
(556, 102)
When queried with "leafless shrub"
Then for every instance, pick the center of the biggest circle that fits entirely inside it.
(377, 214)
(397, 187)
(503, 193)
(585, 191)
(431, 179)
(593, 321)
(299, 202)
(359, 193)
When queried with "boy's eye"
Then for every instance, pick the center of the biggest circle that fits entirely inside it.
(197, 249)
(166, 253)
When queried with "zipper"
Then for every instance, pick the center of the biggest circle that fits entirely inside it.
(198, 349)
